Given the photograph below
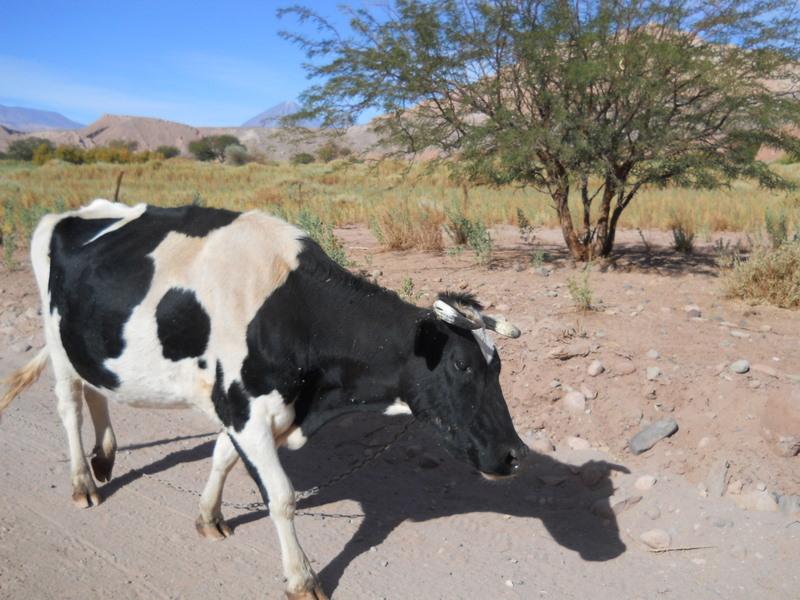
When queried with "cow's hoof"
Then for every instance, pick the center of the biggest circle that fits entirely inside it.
(315, 593)
(216, 529)
(86, 499)
(102, 465)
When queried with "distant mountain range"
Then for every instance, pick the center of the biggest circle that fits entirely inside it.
(19, 118)
(271, 118)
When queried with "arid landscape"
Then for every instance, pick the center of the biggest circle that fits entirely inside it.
(713, 511)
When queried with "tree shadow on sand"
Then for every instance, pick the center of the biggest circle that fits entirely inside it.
(415, 480)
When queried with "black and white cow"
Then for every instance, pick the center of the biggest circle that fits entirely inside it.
(244, 317)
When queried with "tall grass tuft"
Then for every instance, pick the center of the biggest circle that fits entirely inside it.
(400, 228)
(768, 276)
(322, 233)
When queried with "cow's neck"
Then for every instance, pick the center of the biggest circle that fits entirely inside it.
(366, 366)
(332, 343)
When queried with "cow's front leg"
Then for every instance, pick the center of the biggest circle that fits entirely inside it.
(210, 523)
(256, 445)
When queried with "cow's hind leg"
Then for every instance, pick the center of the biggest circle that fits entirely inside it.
(256, 445)
(69, 391)
(105, 446)
(210, 524)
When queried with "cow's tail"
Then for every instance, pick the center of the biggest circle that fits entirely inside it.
(23, 378)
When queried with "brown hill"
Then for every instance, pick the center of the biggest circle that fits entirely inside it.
(150, 133)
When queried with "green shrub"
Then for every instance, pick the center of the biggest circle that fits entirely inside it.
(768, 276)
(168, 151)
(322, 233)
(682, 233)
(474, 234)
(212, 147)
(580, 290)
(302, 158)
(236, 155)
(70, 154)
(331, 150)
(24, 149)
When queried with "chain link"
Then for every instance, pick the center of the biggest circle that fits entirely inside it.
(305, 494)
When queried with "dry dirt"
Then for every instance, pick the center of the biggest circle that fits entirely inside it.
(416, 524)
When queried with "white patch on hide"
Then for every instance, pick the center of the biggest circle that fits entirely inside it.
(397, 408)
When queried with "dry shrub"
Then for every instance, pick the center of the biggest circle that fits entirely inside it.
(402, 229)
(769, 276)
(719, 221)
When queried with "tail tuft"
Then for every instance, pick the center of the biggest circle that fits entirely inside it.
(23, 378)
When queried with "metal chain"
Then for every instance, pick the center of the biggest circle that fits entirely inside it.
(250, 506)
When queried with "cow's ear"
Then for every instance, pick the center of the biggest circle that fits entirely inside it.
(429, 343)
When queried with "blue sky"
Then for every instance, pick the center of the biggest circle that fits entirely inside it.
(202, 63)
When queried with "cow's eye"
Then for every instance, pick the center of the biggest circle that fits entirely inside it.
(462, 366)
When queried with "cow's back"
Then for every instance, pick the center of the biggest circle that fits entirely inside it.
(143, 299)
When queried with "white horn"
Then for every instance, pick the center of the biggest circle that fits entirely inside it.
(448, 314)
(501, 326)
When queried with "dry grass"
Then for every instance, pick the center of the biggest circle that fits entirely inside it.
(341, 193)
(402, 228)
(768, 276)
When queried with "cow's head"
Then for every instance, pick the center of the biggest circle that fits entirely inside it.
(457, 389)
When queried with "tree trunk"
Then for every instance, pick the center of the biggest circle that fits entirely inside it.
(577, 249)
(603, 227)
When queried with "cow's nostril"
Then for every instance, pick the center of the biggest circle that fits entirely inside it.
(511, 459)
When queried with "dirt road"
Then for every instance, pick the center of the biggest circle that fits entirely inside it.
(414, 523)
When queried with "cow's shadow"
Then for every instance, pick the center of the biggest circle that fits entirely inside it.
(406, 483)
(416, 480)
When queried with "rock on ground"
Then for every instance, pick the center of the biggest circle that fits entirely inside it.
(652, 434)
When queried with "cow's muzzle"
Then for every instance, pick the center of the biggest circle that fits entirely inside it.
(509, 465)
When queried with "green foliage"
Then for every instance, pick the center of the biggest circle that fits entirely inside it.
(580, 290)
(331, 150)
(602, 98)
(682, 234)
(129, 145)
(777, 226)
(302, 158)
(24, 149)
(70, 154)
(322, 233)
(168, 151)
(408, 291)
(472, 233)
(768, 276)
(236, 155)
(212, 147)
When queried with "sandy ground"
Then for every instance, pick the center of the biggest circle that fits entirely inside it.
(416, 524)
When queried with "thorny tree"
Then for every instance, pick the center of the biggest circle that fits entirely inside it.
(594, 99)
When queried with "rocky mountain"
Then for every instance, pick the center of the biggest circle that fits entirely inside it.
(271, 117)
(20, 118)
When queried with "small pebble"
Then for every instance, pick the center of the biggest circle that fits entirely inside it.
(645, 482)
(575, 402)
(577, 443)
(509, 583)
(658, 539)
(542, 444)
(653, 354)
(653, 373)
(595, 368)
(653, 512)
(740, 367)
(650, 435)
